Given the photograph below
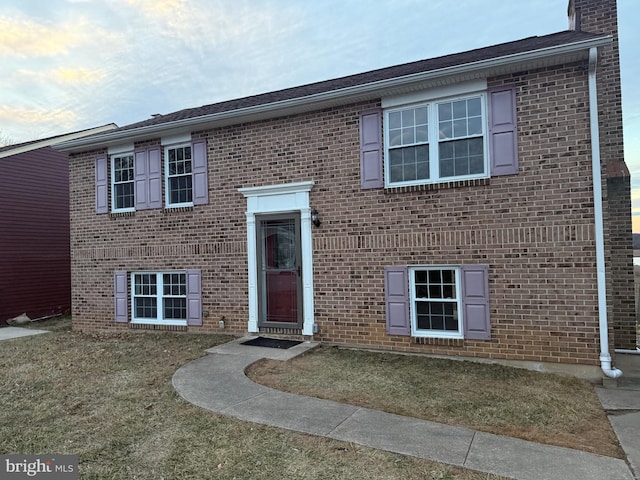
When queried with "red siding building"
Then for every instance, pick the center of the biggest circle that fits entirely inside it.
(35, 275)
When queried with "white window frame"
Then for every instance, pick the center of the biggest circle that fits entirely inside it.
(415, 332)
(167, 177)
(112, 161)
(431, 103)
(159, 320)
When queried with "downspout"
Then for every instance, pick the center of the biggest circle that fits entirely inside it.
(605, 356)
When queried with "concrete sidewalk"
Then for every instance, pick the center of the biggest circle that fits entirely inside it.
(217, 382)
(8, 333)
(622, 404)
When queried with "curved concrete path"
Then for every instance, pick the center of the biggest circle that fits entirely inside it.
(217, 382)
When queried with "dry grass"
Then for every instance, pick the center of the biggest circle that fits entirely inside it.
(108, 398)
(507, 401)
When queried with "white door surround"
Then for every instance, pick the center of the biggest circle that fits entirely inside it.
(290, 197)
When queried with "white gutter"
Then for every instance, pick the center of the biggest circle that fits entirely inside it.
(605, 356)
(242, 114)
(631, 352)
(29, 146)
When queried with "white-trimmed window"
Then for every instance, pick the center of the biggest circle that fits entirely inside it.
(436, 141)
(438, 301)
(122, 182)
(138, 176)
(179, 175)
(435, 302)
(159, 297)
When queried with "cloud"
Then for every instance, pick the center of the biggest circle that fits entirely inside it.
(78, 75)
(209, 24)
(26, 38)
(158, 8)
(35, 116)
(61, 76)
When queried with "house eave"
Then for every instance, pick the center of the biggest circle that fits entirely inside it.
(533, 59)
(52, 142)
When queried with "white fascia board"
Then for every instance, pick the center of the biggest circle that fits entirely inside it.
(53, 142)
(368, 90)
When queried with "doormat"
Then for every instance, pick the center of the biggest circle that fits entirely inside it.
(271, 343)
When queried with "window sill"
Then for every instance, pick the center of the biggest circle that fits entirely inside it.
(439, 341)
(431, 187)
(159, 322)
(128, 213)
(170, 210)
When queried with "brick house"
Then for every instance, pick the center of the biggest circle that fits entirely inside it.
(444, 207)
(34, 221)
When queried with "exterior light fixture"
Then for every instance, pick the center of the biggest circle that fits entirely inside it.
(314, 217)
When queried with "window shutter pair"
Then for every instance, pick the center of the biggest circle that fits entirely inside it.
(475, 301)
(503, 139)
(147, 172)
(148, 178)
(194, 297)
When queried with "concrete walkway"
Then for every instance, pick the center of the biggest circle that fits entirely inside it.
(8, 333)
(623, 406)
(217, 382)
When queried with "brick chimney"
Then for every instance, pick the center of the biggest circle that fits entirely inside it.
(601, 17)
(574, 17)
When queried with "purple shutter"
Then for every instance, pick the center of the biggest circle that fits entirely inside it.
(194, 298)
(503, 135)
(475, 302)
(154, 177)
(200, 175)
(371, 149)
(102, 185)
(121, 296)
(148, 178)
(141, 176)
(396, 296)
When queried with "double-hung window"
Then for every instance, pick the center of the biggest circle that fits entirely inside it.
(435, 301)
(442, 135)
(436, 141)
(449, 302)
(159, 297)
(122, 181)
(138, 176)
(178, 167)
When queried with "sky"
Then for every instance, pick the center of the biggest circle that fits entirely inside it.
(67, 65)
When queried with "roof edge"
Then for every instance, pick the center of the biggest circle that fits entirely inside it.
(245, 114)
(52, 141)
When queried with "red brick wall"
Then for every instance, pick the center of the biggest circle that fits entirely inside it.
(535, 229)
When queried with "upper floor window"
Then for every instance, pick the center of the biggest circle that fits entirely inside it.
(178, 167)
(122, 179)
(132, 179)
(436, 141)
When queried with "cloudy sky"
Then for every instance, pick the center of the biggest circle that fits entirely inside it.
(66, 65)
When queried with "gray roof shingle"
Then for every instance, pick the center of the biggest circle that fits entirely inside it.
(432, 64)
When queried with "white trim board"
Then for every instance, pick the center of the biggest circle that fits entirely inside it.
(290, 197)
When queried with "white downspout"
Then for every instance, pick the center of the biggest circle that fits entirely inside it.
(605, 356)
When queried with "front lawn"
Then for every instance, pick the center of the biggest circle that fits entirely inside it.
(108, 398)
(520, 403)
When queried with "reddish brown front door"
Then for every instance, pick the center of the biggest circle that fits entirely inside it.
(279, 270)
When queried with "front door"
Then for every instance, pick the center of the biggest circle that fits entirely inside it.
(279, 271)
